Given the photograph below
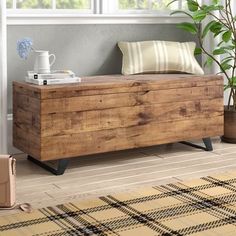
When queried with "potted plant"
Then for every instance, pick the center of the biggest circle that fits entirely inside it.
(221, 23)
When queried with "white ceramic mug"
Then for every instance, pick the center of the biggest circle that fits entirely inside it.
(42, 62)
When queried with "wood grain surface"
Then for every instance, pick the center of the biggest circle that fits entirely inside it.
(108, 113)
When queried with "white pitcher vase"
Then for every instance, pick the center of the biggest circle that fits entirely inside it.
(42, 61)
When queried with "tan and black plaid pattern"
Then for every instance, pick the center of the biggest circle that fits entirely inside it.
(206, 206)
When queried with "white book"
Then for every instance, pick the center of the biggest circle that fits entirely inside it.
(56, 74)
(52, 81)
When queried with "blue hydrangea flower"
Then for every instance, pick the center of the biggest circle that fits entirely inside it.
(24, 46)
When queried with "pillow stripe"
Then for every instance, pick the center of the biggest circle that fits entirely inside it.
(136, 55)
(137, 58)
(184, 55)
(159, 57)
(193, 64)
(140, 54)
(156, 55)
(162, 56)
(166, 58)
(190, 58)
(130, 61)
(181, 56)
(133, 58)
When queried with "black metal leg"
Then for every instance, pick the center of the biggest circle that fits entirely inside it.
(61, 167)
(206, 141)
(208, 144)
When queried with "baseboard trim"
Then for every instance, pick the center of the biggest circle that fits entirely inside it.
(10, 148)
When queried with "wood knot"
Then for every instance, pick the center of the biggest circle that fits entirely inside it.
(33, 120)
(109, 137)
(183, 111)
(138, 102)
(143, 122)
(198, 106)
(143, 115)
(145, 118)
(136, 84)
(145, 92)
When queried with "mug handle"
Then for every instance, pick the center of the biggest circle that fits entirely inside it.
(53, 60)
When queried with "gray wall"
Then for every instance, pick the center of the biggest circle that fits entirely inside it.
(85, 49)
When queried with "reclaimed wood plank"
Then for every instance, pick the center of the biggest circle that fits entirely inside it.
(26, 103)
(132, 137)
(108, 84)
(76, 122)
(26, 123)
(27, 120)
(96, 102)
(27, 141)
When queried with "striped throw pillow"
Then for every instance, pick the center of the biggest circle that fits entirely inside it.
(159, 57)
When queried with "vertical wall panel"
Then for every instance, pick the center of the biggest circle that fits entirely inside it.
(3, 79)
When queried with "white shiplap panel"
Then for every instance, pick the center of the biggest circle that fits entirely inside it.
(3, 79)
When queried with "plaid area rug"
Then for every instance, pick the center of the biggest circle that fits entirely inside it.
(206, 206)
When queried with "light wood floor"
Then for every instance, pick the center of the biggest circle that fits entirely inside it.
(119, 171)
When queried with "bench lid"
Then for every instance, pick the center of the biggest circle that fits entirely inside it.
(117, 84)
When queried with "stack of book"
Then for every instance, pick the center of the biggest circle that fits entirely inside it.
(55, 77)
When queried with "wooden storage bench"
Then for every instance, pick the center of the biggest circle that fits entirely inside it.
(114, 112)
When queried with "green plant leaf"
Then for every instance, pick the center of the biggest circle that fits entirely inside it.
(197, 51)
(227, 59)
(192, 5)
(220, 43)
(226, 66)
(227, 36)
(219, 32)
(207, 28)
(234, 81)
(219, 51)
(181, 12)
(199, 16)
(229, 47)
(234, 42)
(215, 2)
(210, 8)
(171, 3)
(208, 62)
(226, 86)
(189, 27)
(215, 28)
(219, 8)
